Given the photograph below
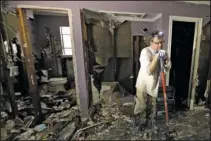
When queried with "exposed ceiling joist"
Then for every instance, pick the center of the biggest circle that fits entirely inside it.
(121, 15)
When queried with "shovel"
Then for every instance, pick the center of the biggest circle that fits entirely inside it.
(169, 133)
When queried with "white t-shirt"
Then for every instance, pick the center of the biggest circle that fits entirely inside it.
(146, 81)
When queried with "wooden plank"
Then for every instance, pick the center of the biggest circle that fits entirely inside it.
(67, 132)
(27, 51)
(86, 64)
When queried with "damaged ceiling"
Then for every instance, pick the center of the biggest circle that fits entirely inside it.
(121, 16)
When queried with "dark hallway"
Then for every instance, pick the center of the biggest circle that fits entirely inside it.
(181, 56)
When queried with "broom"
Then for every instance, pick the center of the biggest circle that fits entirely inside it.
(170, 131)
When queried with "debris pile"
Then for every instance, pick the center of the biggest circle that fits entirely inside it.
(187, 125)
(103, 116)
(60, 111)
(107, 121)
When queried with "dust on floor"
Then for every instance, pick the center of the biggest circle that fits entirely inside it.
(190, 125)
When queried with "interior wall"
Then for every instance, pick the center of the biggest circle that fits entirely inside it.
(157, 25)
(38, 38)
(204, 59)
(137, 27)
(13, 23)
(102, 42)
(32, 33)
(53, 23)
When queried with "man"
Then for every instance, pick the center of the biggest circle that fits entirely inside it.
(148, 80)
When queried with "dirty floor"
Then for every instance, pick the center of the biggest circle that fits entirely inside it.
(189, 125)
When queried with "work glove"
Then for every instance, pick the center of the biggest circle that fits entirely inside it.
(162, 54)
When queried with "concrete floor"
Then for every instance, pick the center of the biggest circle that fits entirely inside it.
(189, 125)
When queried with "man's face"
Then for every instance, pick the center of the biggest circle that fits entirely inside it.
(157, 43)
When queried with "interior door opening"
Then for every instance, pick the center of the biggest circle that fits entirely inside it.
(181, 57)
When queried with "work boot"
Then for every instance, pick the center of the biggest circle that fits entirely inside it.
(136, 120)
(142, 125)
(153, 125)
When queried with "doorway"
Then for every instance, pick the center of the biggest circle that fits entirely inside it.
(183, 48)
(181, 56)
(48, 34)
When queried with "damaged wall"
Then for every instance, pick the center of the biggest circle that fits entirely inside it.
(137, 27)
(102, 42)
(13, 23)
(204, 59)
(101, 38)
(53, 23)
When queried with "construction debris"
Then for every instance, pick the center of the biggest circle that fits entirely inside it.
(59, 110)
(67, 132)
(40, 127)
(187, 126)
(3, 133)
(26, 135)
(28, 121)
(107, 121)
(9, 124)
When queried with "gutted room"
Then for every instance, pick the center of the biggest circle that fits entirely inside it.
(52, 98)
(91, 70)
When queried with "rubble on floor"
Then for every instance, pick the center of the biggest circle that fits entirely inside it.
(186, 125)
(59, 110)
(107, 121)
(102, 118)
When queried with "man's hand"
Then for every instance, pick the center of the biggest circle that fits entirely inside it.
(162, 54)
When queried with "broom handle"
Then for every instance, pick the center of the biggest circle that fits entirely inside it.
(164, 90)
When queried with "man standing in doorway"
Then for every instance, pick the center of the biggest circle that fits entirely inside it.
(148, 81)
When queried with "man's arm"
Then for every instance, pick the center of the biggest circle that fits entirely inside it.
(153, 64)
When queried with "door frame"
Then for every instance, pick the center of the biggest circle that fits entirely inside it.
(195, 55)
(69, 13)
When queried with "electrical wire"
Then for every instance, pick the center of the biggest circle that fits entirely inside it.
(10, 28)
(16, 57)
(15, 35)
(4, 56)
(3, 19)
(14, 32)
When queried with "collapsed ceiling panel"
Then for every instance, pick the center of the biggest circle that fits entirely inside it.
(120, 16)
(141, 15)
